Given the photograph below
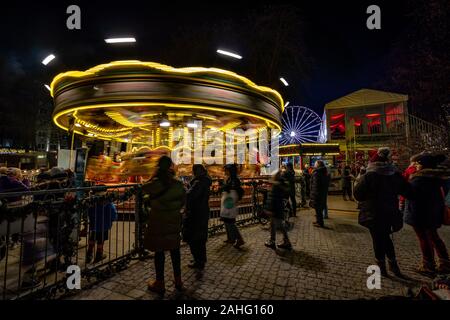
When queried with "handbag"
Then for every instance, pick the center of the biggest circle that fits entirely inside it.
(229, 208)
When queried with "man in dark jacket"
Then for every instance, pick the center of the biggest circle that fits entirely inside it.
(425, 212)
(278, 194)
(195, 228)
(378, 191)
(289, 176)
(319, 191)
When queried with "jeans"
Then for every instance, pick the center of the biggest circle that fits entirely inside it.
(293, 203)
(347, 191)
(232, 231)
(160, 258)
(325, 211)
(429, 242)
(319, 215)
(276, 223)
(382, 244)
(198, 250)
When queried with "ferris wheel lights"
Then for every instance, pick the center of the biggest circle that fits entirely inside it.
(286, 104)
(293, 134)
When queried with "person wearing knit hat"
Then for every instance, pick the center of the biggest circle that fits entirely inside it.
(383, 155)
(425, 211)
(377, 192)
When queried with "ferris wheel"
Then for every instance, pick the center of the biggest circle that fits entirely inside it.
(300, 125)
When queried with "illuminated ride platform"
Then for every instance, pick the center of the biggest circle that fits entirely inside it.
(141, 103)
(126, 101)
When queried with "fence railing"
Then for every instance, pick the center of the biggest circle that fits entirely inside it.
(97, 229)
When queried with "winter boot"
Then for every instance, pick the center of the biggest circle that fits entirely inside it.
(394, 268)
(444, 266)
(99, 256)
(270, 244)
(240, 242)
(382, 265)
(285, 245)
(427, 269)
(157, 286)
(89, 256)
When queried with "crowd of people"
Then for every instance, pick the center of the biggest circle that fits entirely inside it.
(385, 197)
(418, 197)
(177, 212)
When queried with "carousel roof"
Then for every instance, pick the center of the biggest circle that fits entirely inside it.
(126, 100)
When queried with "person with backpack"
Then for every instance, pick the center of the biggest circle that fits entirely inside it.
(426, 211)
(165, 196)
(232, 193)
(278, 194)
(195, 223)
(378, 192)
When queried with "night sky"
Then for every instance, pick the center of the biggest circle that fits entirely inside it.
(337, 54)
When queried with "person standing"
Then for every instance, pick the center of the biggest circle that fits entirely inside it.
(101, 217)
(319, 191)
(426, 212)
(302, 182)
(279, 192)
(307, 176)
(378, 191)
(165, 196)
(195, 224)
(289, 176)
(232, 193)
(347, 183)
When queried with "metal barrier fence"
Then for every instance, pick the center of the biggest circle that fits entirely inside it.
(45, 232)
(97, 229)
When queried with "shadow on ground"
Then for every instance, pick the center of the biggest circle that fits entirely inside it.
(348, 228)
(302, 259)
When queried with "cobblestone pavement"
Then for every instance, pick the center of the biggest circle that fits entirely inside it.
(325, 264)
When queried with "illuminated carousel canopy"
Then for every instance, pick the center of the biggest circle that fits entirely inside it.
(143, 101)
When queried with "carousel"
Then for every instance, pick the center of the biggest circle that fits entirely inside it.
(141, 104)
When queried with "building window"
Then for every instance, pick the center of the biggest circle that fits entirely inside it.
(337, 124)
(395, 120)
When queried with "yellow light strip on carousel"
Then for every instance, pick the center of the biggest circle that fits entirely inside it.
(188, 70)
(119, 118)
(148, 104)
(100, 129)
